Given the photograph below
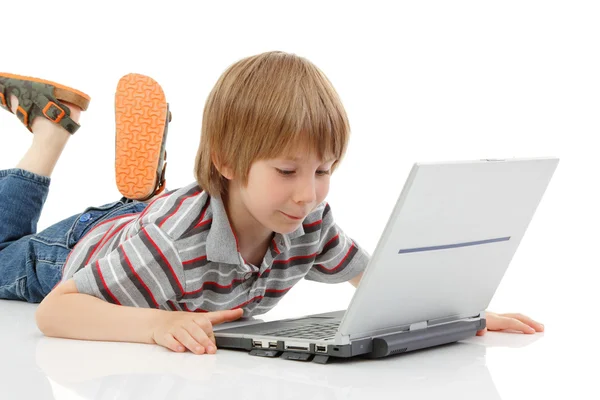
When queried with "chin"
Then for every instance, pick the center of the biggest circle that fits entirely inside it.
(285, 229)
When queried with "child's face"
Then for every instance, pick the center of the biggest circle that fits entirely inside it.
(282, 192)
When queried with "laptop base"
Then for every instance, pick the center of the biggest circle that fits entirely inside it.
(375, 347)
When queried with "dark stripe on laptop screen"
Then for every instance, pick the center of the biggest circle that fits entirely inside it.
(450, 246)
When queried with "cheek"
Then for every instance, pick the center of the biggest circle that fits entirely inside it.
(322, 190)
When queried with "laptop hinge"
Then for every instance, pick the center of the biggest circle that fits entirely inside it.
(342, 339)
(418, 325)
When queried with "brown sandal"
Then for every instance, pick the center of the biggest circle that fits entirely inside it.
(41, 98)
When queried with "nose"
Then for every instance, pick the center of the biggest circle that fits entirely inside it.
(306, 191)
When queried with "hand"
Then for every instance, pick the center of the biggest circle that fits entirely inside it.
(178, 330)
(514, 322)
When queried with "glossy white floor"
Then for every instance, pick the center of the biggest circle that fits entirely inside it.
(560, 362)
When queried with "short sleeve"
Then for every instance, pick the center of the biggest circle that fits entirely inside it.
(144, 271)
(339, 257)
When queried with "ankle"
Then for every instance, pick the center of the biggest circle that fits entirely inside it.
(48, 135)
(75, 115)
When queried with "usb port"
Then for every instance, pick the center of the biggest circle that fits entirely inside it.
(272, 345)
(321, 349)
(256, 343)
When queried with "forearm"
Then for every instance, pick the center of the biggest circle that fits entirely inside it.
(80, 316)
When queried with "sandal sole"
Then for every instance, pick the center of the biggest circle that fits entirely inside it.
(141, 114)
(61, 92)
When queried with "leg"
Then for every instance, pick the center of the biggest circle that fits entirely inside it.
(28, 267)
(49, 140)
(23, 190)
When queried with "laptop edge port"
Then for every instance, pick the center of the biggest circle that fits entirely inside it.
(321, 349)
(272, 345)
(297, 346)
(257, 343)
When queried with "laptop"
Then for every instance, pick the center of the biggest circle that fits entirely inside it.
(444, 250)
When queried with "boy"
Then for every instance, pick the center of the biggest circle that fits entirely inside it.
(234, 242)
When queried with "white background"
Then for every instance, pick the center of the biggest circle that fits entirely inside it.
(421, 81)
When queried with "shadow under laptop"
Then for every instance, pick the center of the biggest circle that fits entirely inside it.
(98, 370)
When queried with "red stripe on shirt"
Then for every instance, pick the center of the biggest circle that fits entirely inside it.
(120, 228)
(96, 247)
(276, 248)
(331, 240)
(293, 258)
(215, 284)
(264, 272)
(341, 262)
(200, 222)
(112, 296)
(138, 277)
(277, 290)
(312, 224)
(194, 260)
(178, 207)
(164, 259)
(102, 242)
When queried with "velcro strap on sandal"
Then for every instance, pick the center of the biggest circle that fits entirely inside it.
(42, 105)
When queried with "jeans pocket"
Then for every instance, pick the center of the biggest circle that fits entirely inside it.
(92, 216)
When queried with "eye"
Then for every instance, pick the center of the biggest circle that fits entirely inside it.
(284, 172)
(323, 173)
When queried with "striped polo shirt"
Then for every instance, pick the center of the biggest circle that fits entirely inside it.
(180, 254)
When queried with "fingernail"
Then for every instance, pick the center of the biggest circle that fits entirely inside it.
(211, 349)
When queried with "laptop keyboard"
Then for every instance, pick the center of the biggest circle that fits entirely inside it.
(320, 330)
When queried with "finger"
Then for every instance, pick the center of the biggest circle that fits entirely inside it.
(482, 332)
(213, 339)
(171, 343)
(523, 318)
(188, 341)
(201, 337)
(205, 324)
(219, 317)
(515, 325)
(207, 327)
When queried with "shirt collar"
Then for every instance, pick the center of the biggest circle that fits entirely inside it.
(221, 244)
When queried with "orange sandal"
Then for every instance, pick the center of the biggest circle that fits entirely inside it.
(142, 118)
(41, 98)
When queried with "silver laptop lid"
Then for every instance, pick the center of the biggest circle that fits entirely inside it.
(448, 242)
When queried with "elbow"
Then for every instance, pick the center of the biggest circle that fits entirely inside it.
(46, 318)
(42, 317)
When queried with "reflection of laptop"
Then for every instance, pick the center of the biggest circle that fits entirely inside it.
(439, 261)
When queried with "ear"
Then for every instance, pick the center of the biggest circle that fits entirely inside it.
(222, 168)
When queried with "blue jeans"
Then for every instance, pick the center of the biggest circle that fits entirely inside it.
(31, 263)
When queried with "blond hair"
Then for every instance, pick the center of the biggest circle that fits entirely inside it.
(263, 107)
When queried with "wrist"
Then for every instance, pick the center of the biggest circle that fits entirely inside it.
(156, 319)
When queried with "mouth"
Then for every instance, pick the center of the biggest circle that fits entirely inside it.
(291, 217)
